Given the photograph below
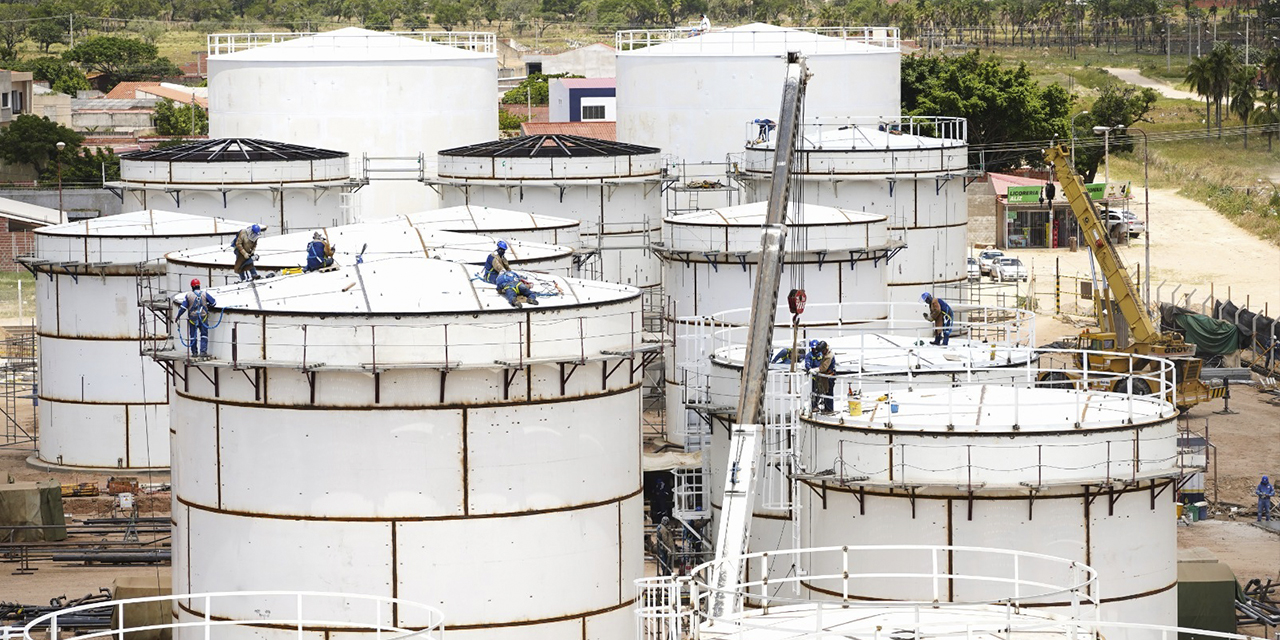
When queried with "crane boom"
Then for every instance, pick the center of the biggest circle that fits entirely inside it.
(746, 434)
(1124, 292)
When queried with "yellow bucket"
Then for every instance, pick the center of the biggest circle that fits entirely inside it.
(855, 407)
(1178, 508)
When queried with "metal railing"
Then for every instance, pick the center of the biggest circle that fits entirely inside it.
(297, 613)
(864, 133)
(921, 580)
(852, 38)
(478, 41)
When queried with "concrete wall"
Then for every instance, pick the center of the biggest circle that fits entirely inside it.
(982, 214)
(594, 61)
(54, 106)
(79, 203)
(113, 121)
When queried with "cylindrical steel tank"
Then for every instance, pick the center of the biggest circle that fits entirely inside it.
(614, 190)
(102, 402)
(397, 429)
(392, 98)
(690, 96)
(911, 170)
(287, 187)
(709, 260)
(1073, 470)
(501, 223)
(368, 241)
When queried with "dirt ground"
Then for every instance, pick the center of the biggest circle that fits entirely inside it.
(1191, 245)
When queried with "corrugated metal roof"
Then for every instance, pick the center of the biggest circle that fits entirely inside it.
(233, 150)
(552, 145)
(597, 130)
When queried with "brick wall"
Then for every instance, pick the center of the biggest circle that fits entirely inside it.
(16, 239)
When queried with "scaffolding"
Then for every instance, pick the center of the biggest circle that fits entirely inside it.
(19, 386)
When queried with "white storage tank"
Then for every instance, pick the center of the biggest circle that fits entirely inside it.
(709, 261)
(690, 96)
(287, 187)
(501, 223)
(368, 241)
(1074, 471)
(394, 97)
(912, 170)
(102, 402)
(614, 190)
(397, 429)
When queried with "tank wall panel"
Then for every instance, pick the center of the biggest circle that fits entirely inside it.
(302, 210)
(69, 370)
(103, 435)
(595, 446)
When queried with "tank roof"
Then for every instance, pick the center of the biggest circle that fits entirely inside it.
(150, 222)
(351, 44)
(873, 352)
(753, 214)
(550, 146)
(468, 218)
(405, 287)
(759, 38)
(875, 138)
(378, 240)
(233, 150)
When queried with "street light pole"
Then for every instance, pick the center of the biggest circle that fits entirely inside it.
(62, 217)
(1073, 138)
(1106, 146)
(1146, 205)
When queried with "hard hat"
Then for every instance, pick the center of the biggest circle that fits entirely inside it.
(502, 245)
(317, 236)
(195, 283)
(256, 229)
(813, 344)
(925, 297)
(822, 344)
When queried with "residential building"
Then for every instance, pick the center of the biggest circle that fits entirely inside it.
(15, 94)
(583, 99)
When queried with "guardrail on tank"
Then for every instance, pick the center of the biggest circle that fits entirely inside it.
(478, 41)
(420, 342)
(753, 39)
(844, 133)
(675, 607)
(287, 612)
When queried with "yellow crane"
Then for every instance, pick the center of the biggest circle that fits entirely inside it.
(1148, 340)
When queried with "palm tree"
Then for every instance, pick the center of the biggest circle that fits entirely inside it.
(1200, 78)
(1223, 62)
(1267, 116)
(1244, 92)
(1271, 67)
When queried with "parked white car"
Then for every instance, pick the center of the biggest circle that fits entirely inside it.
(1113, 219)
(975, 273)
(1008, 269)
(985, 259)
(1136, 226)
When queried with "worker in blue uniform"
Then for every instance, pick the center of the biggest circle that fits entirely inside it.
(319, 253)
(496, 264)
(822, 364)
(515, 289)
(941, 315)
(195, 304)
(1265, 492)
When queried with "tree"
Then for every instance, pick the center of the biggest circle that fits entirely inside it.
(84, 166)
(1222, 65)
(1244, 93)
(533, 89)
(121, 59)
(1267, 116)
(13, 29)
(173, 119)
(1116, 105)
(1271, 67)
(1002, 104)
(32, 140)
(449, 13)
(52, 27)
(62, 77)
(1200, 79)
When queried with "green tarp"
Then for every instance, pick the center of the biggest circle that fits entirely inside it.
(1206, 598)
(1211, 337)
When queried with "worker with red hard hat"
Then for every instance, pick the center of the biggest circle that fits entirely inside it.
(195, 303)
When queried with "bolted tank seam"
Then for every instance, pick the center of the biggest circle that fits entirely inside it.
(123, 403)
(938, 493)
(383, 519)
(453, 406)
(355, 315)
(1065, 603)
(907, 432)
(101, 337)
(925, 227)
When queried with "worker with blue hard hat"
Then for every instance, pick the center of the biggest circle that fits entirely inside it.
(245, 245)
(1265, 492)
(195, 304)
(515, 289)
(496, 264)
(941, 315)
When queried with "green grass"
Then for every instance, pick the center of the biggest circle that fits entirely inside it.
(9, 295)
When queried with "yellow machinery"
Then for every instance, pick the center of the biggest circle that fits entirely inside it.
(1147, 338)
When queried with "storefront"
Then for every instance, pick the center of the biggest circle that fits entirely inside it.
(1031, 222)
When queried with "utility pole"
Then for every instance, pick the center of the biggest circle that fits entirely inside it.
(72, 31)
(1168, 61)
(1246, 40)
